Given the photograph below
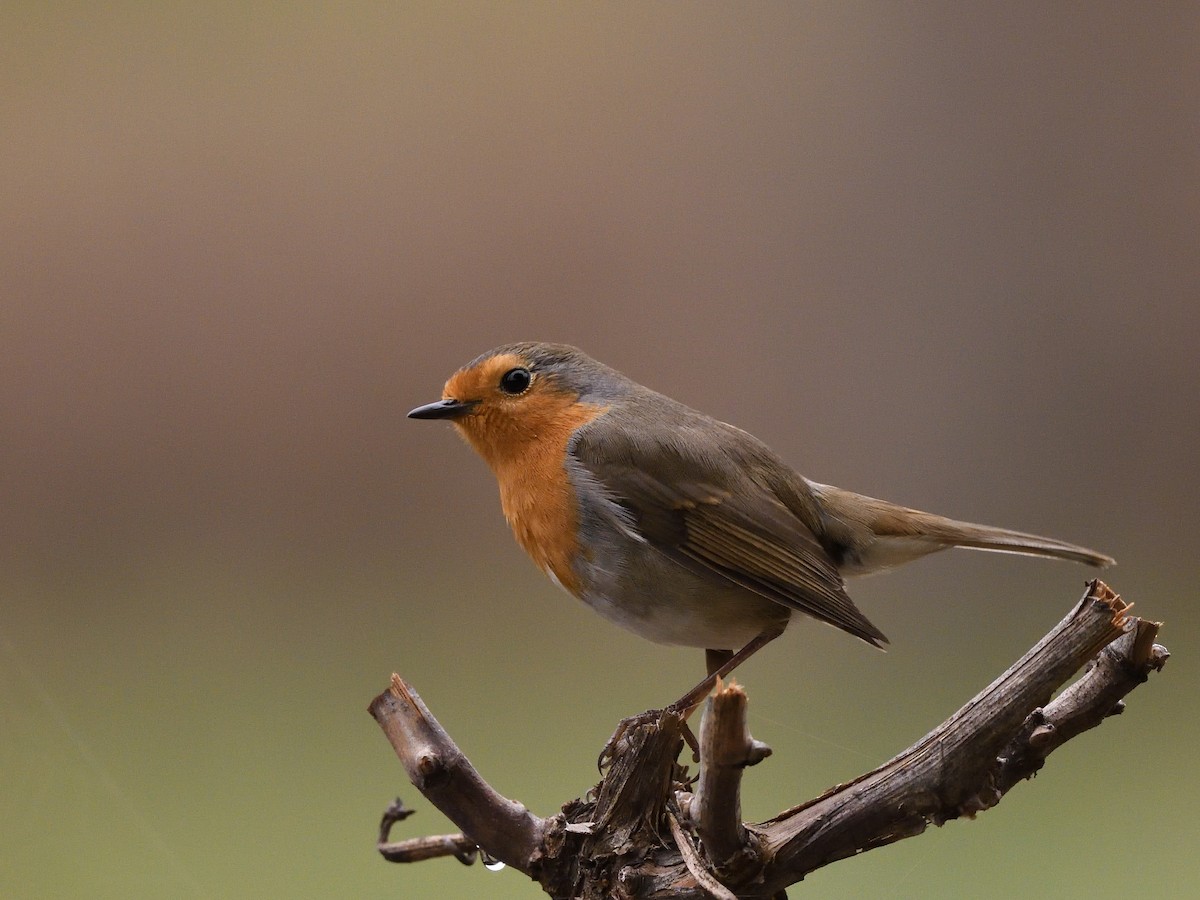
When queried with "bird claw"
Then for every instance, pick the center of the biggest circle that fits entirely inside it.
(618, 744)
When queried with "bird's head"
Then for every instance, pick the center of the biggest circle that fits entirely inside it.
(511, 397)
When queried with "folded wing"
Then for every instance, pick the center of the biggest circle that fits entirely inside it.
(744, 534)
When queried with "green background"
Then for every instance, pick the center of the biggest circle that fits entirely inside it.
(942, 254)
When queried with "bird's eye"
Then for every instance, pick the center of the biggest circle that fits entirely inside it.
(515, 381)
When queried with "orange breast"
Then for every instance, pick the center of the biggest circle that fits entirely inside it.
(535, 492)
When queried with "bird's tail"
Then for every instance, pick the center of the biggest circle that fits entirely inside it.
(881, 534)
(1002, 540)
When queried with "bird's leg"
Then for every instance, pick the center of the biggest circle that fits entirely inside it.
(713, 659)
(716, 658)
(720, 663)
(724, 662)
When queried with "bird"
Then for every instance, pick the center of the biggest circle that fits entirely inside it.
(674, 525)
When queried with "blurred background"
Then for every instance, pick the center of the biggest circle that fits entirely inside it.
(941, 255)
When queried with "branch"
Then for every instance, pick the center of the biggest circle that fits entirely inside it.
(1117, 670)
(726, 748)
(695, 865)
(459, 846)
(440, 771)
(946, 773)
(631, 836)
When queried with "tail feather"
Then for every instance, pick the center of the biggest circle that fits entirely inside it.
(1001, 540)
(878, 534)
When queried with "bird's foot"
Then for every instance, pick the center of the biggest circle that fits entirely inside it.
(619, 742)
(621, 739)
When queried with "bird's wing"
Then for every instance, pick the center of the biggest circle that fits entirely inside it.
(743, 534)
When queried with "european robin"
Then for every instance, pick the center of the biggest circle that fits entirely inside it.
(673, 525)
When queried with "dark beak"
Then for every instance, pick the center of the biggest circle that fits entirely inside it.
(443, 409)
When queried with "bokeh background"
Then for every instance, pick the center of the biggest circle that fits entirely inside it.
(942, 253)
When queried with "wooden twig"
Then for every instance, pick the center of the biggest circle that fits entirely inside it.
(695, 865)
(941, 776)
(433, 846)
(629, 837)
(440, 771)
(1113, 673)
(417, 849)
(726, 749)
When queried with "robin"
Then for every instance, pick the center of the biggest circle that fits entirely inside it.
(674, 525)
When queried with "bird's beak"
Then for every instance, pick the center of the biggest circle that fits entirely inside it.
(443, 409)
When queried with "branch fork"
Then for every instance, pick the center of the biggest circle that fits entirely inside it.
(649, 830)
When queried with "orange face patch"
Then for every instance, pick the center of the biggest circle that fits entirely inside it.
(523, 438)
(481, 382)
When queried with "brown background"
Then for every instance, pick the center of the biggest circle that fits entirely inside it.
(940, 254)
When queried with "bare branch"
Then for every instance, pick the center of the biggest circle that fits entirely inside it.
(422, 848)
(629, 837)
(1113, 673)
(695, 865)
(440, 771)
(433, 846)
(940, 777)
(726, 748)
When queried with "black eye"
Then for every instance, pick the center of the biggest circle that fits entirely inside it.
(515, 381)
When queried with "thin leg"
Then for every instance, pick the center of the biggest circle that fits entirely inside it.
(716, 658)
(720, 664)
(692, 698)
